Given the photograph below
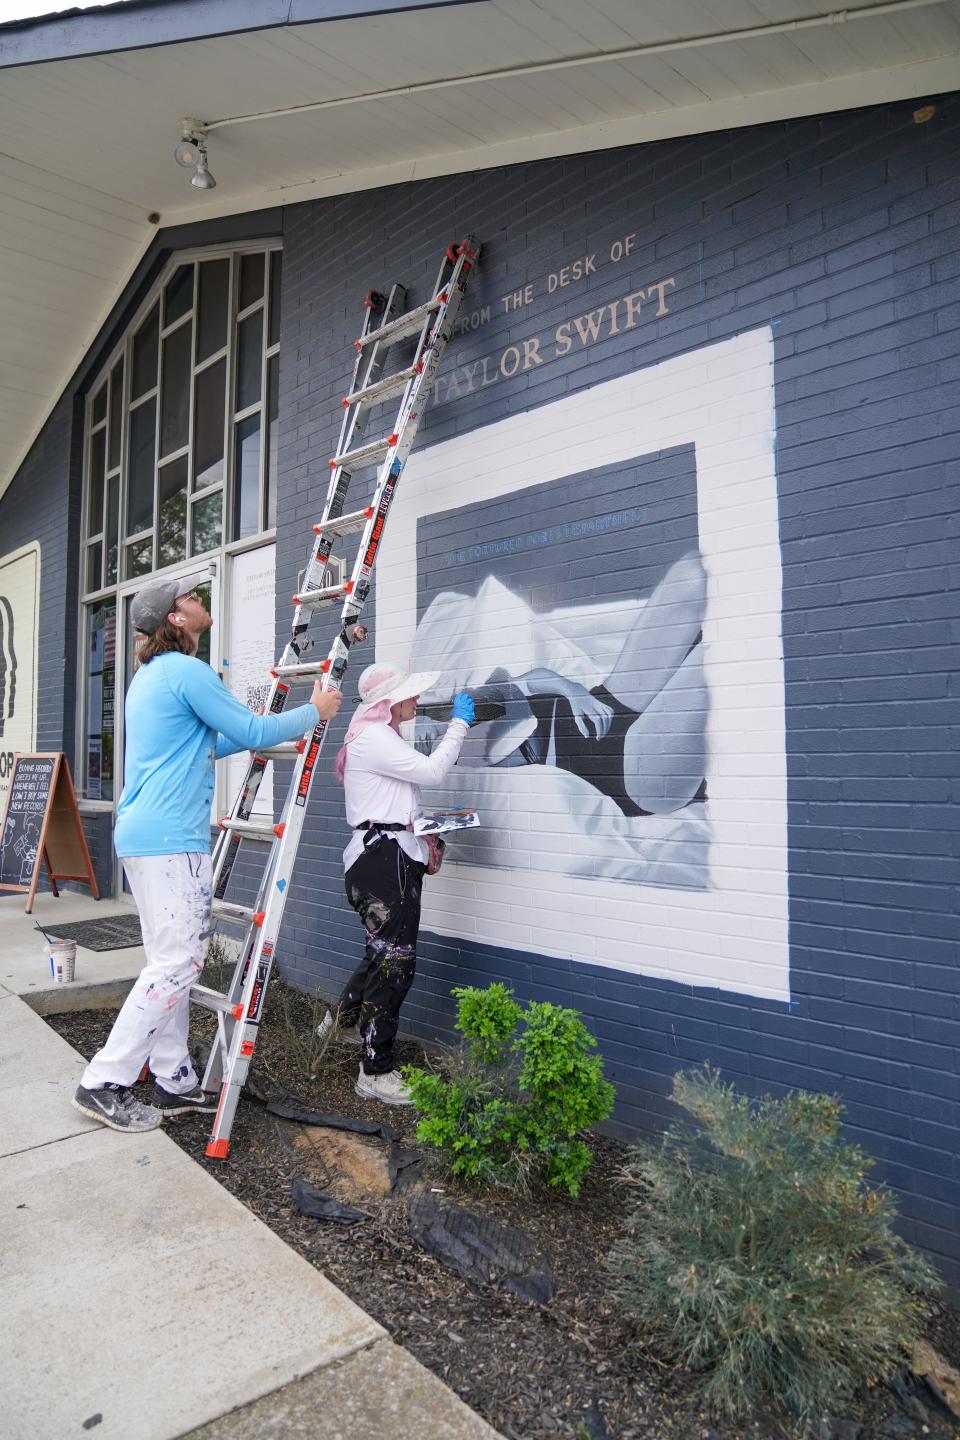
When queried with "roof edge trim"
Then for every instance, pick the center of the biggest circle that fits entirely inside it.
(147, 24)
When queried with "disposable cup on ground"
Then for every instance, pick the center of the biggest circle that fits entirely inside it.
(62, 955)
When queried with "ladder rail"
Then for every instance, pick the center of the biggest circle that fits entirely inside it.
(238, 1022)
(369, 362)
(367, 366)
(340, 478)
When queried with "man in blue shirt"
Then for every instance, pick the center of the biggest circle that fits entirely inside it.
(179, 719)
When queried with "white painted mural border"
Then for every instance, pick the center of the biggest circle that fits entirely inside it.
(732, 936)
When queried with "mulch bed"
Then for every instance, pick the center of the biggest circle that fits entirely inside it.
(571, 1368)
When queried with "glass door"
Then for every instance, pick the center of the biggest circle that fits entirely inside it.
(98, 760)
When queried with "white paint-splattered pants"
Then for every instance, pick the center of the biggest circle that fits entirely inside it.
(173, 896)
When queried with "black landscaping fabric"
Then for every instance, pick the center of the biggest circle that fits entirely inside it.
(111, 932)
(478, 1248)
(331, 1122)
(474, 1246)
(321, 1206)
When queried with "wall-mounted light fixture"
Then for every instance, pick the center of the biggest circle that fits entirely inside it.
(191, 154)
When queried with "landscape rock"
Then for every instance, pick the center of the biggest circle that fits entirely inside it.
(364, 1166)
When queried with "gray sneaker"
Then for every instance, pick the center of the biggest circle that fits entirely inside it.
(118, 1107)
(388, 1088)
(195, 1100)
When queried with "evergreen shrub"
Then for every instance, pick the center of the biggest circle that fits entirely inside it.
(757, 1253)
(513, 1097)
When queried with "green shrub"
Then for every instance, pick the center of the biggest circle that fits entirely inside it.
(488, 1018)
(509, 1106)
(758, 1254)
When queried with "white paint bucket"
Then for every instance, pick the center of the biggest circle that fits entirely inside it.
(62, 955)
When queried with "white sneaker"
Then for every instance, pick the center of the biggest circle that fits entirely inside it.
(389, 1088)
(346, 1037)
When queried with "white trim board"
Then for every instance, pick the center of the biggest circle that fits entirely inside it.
(732, 936)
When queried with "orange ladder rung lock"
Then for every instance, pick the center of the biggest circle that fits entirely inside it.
(428, 327)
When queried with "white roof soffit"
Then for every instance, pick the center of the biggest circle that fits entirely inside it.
(299, 110)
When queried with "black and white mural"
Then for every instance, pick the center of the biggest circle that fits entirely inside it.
(603, 574)
(580, 641)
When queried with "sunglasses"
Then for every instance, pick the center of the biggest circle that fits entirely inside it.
(190, 595)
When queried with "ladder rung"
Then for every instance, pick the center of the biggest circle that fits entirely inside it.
(344, 524)
(250, 829)
(364, 454)
(289, 750)
(227, 910)
(301, 672)
(316, 599)
(213, 1000)
(383, 389)
(404, 325)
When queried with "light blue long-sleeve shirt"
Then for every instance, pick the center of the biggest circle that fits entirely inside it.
(179, 718)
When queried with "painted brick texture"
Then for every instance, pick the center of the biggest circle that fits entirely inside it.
(832, 241)
(838, 235)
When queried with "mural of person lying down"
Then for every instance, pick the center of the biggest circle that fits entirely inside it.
(589, 755)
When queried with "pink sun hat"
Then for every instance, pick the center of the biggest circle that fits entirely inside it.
(381, 686)
(383, 681)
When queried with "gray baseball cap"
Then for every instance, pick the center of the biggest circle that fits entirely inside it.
(151, 605)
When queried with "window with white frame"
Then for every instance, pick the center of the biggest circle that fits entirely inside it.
(180, 455)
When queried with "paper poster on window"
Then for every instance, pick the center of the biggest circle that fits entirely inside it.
(251, 642)
(101, 697)
(19, 609)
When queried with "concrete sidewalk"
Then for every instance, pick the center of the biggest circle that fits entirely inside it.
(138, 1299)
(103, 977)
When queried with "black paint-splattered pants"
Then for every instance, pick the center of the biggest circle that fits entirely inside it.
(383, 885)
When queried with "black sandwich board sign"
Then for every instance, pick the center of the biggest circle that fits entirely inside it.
(41, 823)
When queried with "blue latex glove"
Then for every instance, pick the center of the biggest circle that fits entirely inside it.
(463, 708)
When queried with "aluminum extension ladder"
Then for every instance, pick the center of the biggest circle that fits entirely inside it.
(239, 1011)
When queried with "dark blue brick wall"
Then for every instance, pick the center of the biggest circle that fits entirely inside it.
(841, 233)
